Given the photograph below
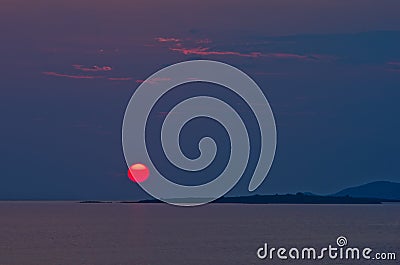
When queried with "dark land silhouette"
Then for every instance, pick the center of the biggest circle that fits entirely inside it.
(372, 193)
(378, 189)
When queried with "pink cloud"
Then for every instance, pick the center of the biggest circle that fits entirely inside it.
(393, 66)
(394, 63)
(177, 46)
(119, 78)
(163, 113)
(154, 80)
(293, 56)
(287, 56)
(71, 76)
(159, 39)
(206, 51)
(178, 41)
(92, 69)
(283, 56)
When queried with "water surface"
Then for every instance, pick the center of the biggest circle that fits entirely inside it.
(57, 233)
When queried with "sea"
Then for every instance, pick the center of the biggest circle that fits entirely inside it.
(73, 233)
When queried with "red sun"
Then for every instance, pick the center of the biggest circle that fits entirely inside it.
(138, 172)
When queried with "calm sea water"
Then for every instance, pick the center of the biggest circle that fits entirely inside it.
(55, 233)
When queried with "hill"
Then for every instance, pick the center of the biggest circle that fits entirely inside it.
(298, 198)
(378, 189)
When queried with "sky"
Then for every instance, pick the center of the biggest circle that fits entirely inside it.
(330, 70)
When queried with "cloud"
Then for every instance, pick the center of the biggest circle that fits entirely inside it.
(159, 39)
(92, 69)
(378, 47)
(178, 46)
(287, 56)
(184, 47)
(154, 81)
(283, 56)
(303, 57)
(206, 51)
(88, 76)
(163, 113)
(393, 66)
(119, 78)
(71, 76)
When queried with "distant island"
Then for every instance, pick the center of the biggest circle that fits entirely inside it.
(95, 202)
(298, 198)
(372, 193)
(378, 189)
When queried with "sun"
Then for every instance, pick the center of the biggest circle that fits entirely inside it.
(138, 173)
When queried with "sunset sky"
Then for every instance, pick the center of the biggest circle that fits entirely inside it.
(330, 70)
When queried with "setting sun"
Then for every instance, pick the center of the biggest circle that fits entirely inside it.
(138, 172)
